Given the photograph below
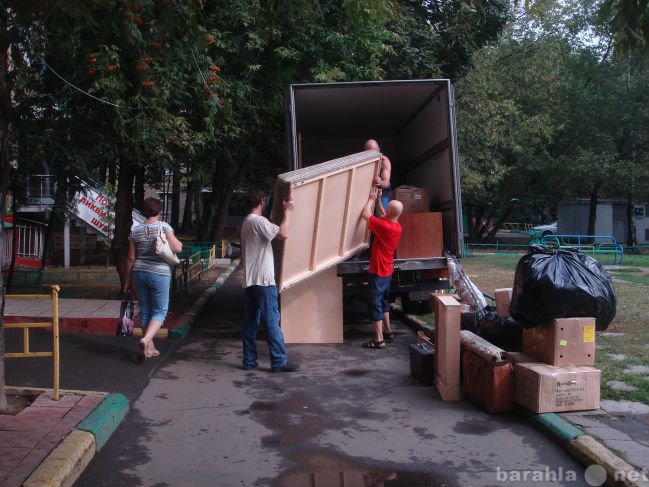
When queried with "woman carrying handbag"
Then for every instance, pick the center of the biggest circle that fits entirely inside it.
(148, 271)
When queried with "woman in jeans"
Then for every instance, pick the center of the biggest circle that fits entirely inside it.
(148, 274)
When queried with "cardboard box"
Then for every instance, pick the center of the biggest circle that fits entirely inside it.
(503, 298)
(414, 199)
(543, 388)
(447, 346)
(490, 385)
(563, 341)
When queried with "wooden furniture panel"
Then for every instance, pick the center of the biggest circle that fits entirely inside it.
(312, 310)
(326, 224)
(421, 236)
(447, 346)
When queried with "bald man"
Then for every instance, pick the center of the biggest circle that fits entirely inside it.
(383, 180)
(387, 233)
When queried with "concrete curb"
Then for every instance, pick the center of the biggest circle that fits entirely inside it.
(558, 428)
(187, 319)
(586, 449)
(64, 464)
(105, 418)
(618, 472)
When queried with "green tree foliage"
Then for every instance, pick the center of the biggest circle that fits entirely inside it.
(550, 113)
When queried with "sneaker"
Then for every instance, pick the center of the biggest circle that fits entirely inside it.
(250, 367)
(289, 367)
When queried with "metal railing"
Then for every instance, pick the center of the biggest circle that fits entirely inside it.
(593, 245)
(54, 325)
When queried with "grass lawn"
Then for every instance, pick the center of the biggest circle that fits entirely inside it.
(490, 272)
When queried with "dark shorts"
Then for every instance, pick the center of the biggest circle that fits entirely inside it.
(379, 295)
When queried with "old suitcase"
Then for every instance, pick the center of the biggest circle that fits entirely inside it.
(422, 363)
(489, 385)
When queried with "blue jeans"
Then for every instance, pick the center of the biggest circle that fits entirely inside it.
(379, 295)
(152, 292)
(261, 305)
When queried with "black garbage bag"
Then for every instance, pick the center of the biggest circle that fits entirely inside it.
(506, 333)
(552, 283)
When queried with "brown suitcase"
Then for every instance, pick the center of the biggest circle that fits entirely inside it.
(489, 385)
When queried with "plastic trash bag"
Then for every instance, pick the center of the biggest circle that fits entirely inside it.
(553, 284)
(126, 314)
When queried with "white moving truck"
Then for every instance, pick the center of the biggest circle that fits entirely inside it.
(414, 123)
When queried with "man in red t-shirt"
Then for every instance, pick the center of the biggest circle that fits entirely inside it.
(387, 233)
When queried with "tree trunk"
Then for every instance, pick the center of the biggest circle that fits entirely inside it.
(188, 224)
(631, 239)
(222, 213)
(6, 114)
(175, 196)
(196, 188)
(3, 394)
(592, 212)
(123, 217)
(209, 212)
(112, 173)
(499, 223)
(139, 187)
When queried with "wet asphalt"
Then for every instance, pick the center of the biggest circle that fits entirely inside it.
(349, 417)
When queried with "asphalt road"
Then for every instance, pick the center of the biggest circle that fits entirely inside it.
(350, 416)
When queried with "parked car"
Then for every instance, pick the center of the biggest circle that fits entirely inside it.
(540, 231)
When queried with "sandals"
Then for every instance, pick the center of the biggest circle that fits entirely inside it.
(388, 337)
(374, 344)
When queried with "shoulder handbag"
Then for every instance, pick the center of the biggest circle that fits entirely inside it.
(163, 250)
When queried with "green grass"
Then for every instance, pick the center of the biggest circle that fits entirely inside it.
(636, 278)
(490, 272)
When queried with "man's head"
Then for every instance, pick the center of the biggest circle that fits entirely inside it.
(372, 144)
(395, 208)
(254, 199)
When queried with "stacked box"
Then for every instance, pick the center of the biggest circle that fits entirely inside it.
(543, 388)
(413, 198)
(555, 373)
(564, 341)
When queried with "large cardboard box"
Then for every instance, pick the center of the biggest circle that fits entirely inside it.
(503, 298)
(414, 199)
(447, 346)
(563, 341)
(543, 388)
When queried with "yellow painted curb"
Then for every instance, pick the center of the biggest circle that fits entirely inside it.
(618, 472)
(65, 464)
(161, 333)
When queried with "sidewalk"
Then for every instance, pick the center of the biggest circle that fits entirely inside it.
(49, 443)
(99, 316)
(30, 436)
(622, 432)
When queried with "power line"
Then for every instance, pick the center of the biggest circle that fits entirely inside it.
(79, 89)
(214, 97)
